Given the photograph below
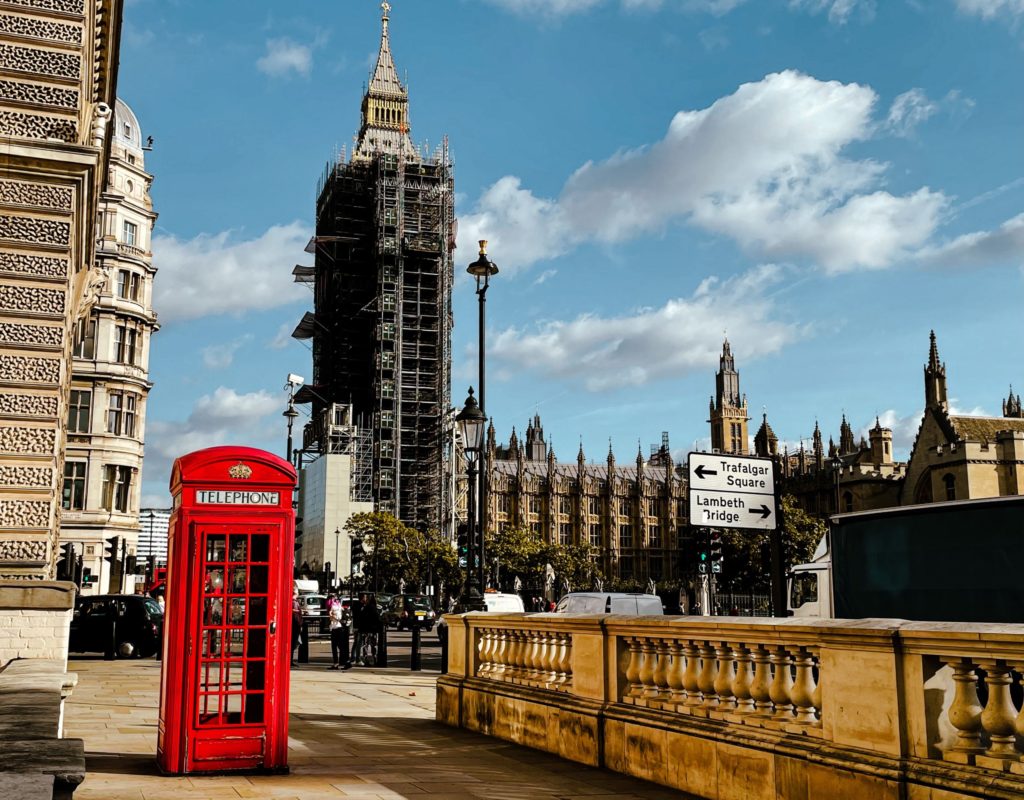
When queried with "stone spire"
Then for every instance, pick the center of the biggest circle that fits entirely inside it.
(1011, 405)
(766, 443)
(385, 109)
(847, 444)
(819, 450)
(935, 379)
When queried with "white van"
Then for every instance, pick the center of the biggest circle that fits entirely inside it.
(496, 602)
(609, 603)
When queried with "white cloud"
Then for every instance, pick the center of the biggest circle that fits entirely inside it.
(839, 11)
(547, 8)
(545, 276)
(224, 417)
(283, 337)
(285, 56)
(914, 107)
(220, 356)
(989, 9)
(654, 343)
(764, 166)
(214, 274)
(1005, 245)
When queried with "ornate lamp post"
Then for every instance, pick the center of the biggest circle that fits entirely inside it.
(472, 422)
(482, 269)
(294, 381)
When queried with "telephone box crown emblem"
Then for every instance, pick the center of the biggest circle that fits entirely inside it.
(240, 471)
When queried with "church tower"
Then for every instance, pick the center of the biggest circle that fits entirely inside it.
(728, 409)
(382, 320)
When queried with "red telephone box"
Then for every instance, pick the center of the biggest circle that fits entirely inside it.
(227, 624)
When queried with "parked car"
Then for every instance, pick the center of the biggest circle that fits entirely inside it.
(408, 611)
(609, 603)
(135, 620)
(496, 603)
(313, 605)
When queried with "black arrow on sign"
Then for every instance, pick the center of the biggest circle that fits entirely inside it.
(703, 471)
(764, 511)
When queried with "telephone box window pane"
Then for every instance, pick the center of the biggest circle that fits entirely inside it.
(255, 675)
(257, 611)
(258, 580)
(257, 643)
(234, 675)
(233, 709)
(236, 642)
(215, 548)
(209, 709)
(214, 581)
(214, 611)
(237, 585)
(209, 678)
(237, 616)
(239, 548)
(211, 644)
(254, 708)
(261, 547)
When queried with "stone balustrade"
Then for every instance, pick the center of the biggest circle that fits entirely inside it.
(730, 707)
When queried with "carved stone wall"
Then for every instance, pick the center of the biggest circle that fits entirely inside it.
(57, 65)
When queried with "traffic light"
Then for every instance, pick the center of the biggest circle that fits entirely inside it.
(358, 553)
(715, 551)
(66, 565)
(462, 540)
(112, 549)
(131, 565)
(87, 576)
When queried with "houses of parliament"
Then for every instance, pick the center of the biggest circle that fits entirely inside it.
(635, 514)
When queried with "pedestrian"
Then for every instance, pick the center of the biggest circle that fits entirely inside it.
(296, 626)
(368, 625)
(336, 615)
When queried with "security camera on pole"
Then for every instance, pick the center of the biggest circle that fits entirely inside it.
(730, 491)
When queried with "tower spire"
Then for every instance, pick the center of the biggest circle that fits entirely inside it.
(935, 379)
(385, 121)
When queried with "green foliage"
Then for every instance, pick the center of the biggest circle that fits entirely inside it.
(747, 555)
(518, 552)
(572, 562)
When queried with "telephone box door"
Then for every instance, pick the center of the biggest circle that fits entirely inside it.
(236, 635)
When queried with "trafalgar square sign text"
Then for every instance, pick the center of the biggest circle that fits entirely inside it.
(728, 491)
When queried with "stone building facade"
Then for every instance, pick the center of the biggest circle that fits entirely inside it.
(58, 70)
(632, 515)
(110, 371)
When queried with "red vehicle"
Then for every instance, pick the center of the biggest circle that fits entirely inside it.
(158, 583)
(227, 626)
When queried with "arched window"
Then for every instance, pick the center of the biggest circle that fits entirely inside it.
(847, 501)
(950, 483)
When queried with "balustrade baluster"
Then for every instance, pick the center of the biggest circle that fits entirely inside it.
(486, 643)
(706, 679)
(647, 664)
(512, 670)
(782, 684)
(633, 687)
(760, 689)
(550, 656)
(563, 664)
(691, 676)
(1000, 714)
(742, 680)
(965, 712)
(802, 693)
(533, 664)
(500, 655)
(726, 674)
(660, 677)
(675, 673)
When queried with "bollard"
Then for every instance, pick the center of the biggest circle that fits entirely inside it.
(343, 655)
(111, 651)
(304, 643)
(382, 647)
(414, 657)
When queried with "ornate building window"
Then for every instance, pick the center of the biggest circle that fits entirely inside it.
(129, 233)
(534, 503)
(626, 537)
(85, 338)
(594, 505)
(950, 483)
(595, 535)
(565, 505)
(654, 536)
(503, 504)
(128, 285)
(565, 533)
(126, 339)
(73, 498)
(121, 413)
(79, 411)
(117, 481)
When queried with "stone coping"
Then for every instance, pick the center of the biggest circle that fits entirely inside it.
(37, 595)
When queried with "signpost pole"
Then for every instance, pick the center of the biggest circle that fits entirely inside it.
(778, 559)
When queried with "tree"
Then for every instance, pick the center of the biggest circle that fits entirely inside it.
(746, 554)
(518, 553)
(573, 563)
(394, 551)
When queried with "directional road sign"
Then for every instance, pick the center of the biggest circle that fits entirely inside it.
(728, 491)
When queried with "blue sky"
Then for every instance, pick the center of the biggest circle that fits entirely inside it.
(825, 180)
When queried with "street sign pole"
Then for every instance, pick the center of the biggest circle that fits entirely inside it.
(778, 575)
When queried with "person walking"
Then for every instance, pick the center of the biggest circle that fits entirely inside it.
(336, 615)
(368, 625)
(296, 626)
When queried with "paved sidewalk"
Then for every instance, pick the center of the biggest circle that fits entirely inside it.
(358, 734)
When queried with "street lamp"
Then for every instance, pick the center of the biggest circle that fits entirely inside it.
(294, 381)
(337, 556)
(482, 269)
(471, 422)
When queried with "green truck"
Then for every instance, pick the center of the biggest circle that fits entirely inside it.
(957, 562)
